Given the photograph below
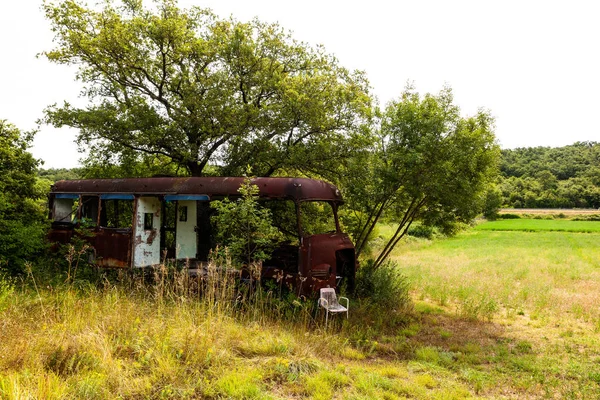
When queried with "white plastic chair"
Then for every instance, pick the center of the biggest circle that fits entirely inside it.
(329, 301)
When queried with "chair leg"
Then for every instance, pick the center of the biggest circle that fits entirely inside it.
(326, 318)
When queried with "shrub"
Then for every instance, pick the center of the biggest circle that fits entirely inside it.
(593, 217)
(384, 287)
(492, 203)
(509, 216)
(421, 231)
(244, 227)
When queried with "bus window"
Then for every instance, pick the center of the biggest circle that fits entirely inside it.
(65, 208)
(89, 210)
(317, 217)
(284, 218)
(116, 213)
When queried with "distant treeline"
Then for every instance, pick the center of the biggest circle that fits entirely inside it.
(57, 174)
(545, 177)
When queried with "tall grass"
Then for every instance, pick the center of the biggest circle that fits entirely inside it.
(164, 334)
(497, 315)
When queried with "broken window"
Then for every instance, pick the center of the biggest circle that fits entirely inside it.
(317, 217)
(168, 228)
(183, 213)
(148, 221)
(116, 211)
(284, 218)
(65, 208)
(89, 210)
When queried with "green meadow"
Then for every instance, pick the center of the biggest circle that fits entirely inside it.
(497, 314)
(536, 225)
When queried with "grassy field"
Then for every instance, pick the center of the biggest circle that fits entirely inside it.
(539, 292)
(498, 314)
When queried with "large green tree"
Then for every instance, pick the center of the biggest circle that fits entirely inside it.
(430, 165)
(21, 216)
(184, 87)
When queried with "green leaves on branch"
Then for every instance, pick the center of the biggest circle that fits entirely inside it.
(430, 165)
(182, 86)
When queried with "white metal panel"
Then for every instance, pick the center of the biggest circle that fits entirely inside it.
(186, 233)
(146, 244)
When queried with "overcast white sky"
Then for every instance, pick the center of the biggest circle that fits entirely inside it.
(534, 64)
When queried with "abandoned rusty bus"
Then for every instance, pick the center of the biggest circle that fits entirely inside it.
(137, 221)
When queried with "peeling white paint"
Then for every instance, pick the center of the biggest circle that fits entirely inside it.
(146, 243)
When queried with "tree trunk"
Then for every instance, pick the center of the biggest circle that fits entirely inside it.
(195, 169)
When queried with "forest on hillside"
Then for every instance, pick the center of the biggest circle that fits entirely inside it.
(551, 177)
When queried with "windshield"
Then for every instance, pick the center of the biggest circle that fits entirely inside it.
(317, 217)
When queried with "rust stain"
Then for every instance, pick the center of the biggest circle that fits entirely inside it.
(111, 263)
(151, 236)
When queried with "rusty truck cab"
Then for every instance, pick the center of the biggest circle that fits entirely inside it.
(138, 222)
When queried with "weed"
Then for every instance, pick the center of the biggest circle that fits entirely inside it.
(477, 305)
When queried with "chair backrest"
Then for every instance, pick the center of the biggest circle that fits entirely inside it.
(329, 295)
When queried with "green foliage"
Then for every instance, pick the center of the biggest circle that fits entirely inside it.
(181, 87)
(509, 216)
(7, 289)
(384, 286)
(22, 219)
(545, 177)
(244, 227)
(430, 165)
(317, 217)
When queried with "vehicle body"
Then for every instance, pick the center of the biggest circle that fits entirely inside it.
(138, 222)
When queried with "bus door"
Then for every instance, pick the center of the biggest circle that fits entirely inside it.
(186, 243)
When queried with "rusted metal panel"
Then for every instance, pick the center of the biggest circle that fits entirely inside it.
(146, 243)
(113, 247)
(59, 234)
(318, 260)
(276, 188)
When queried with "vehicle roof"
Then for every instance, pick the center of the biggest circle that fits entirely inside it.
(214, 187)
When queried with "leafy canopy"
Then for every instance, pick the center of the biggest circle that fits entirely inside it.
(430, 165)
(179, 86)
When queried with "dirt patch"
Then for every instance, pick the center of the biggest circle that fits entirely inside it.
(546, 211)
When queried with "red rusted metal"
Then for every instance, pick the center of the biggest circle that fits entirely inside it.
(273, 188)
(112, 247)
